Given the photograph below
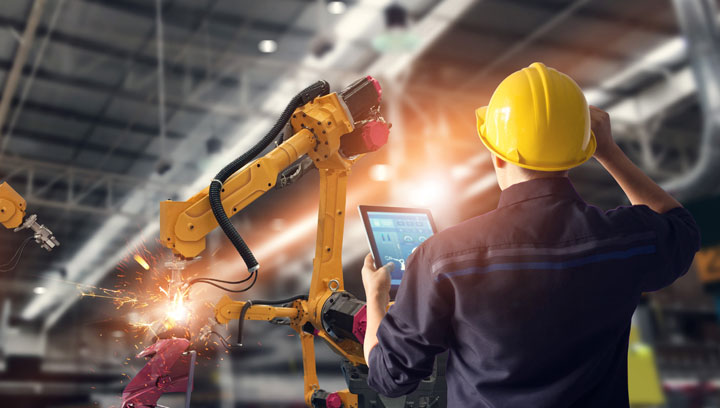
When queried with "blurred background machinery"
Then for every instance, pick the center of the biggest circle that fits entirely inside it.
(109, 107)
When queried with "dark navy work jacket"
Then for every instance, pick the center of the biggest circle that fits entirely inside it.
(533, 300)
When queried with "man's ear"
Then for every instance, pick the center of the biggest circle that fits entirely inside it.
(499, 163)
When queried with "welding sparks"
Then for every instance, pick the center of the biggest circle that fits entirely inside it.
(172, 311)
(177, 311)
(119, 300)
(141, 261)
(163, 299)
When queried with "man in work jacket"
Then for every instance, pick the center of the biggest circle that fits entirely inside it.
(533, 300)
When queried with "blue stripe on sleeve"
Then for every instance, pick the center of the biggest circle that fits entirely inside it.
(609, 256)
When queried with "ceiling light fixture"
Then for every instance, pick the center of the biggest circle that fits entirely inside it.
(336, 7)
(267, 46)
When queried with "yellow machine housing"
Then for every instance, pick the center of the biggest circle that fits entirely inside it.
(707, 263)
(644, 388)
(12, 206)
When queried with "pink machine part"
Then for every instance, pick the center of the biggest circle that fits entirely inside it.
(360, 324)
(333, 401)
(170, 369)
(376, 84)
(375, 135)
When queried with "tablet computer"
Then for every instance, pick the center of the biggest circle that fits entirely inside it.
(393, 234)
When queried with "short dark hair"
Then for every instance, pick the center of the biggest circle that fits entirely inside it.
(538, 173)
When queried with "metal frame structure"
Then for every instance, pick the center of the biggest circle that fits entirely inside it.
(83, 190)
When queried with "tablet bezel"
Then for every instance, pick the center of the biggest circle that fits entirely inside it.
(364, 209)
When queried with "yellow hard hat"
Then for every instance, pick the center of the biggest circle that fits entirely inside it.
(538, 118)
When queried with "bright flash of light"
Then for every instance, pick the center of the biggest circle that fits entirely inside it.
(177, 311)
(380, 172)
(461, 171)
(140, 260)
(428, 192)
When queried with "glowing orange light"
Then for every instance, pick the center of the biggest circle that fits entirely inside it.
(177, 311)
(380, 172)
(429, 191)
(139, 259)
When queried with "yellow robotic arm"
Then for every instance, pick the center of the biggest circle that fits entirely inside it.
(12, 213)
(333, 130)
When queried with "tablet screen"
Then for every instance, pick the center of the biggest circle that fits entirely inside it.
(395, 235)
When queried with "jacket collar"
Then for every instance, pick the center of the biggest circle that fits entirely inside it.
(542, 187)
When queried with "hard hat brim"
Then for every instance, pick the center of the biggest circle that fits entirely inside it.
(480, 119)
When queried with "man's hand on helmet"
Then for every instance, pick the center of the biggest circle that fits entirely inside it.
(600, 125)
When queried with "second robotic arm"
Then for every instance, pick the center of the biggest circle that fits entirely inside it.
(12, 213)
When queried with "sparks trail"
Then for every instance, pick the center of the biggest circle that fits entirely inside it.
(87, 290)
(120, 301)
(145, 327)
(142, 262)
(142, 284)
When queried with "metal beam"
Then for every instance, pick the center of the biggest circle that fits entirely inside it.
(21, 56)
(113, 51)
(110, 98)
(28, 83)
(202, 86)
(598, 50)
(699, 24)
(632, 23)
(60, 141)
(178, 17)
(651, 101)
(100, 193)
(519, 46)
(67, 113)
(87, 209)
(85, 82)
(119, 179)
